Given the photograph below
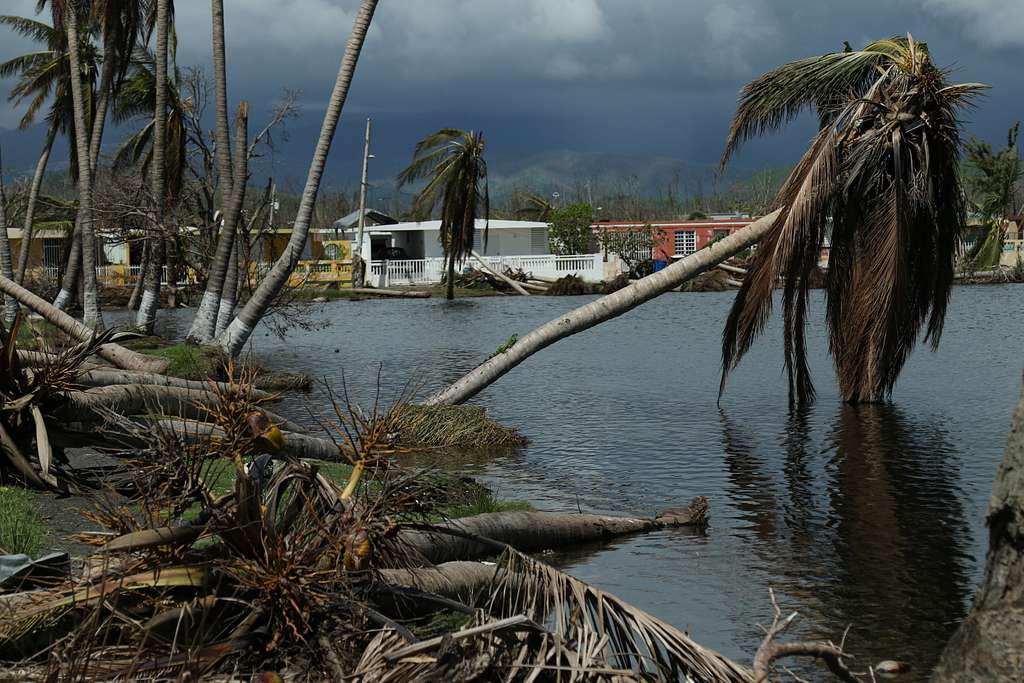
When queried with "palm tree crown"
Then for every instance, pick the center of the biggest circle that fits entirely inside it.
(882, 176)
(452, 162)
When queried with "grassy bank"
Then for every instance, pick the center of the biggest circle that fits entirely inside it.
(20, 528)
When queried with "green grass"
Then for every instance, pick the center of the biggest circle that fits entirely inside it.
(187, 360)
(485, 502)
(20, 528)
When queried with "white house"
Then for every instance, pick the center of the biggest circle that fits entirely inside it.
(411, 253)
(418, 240)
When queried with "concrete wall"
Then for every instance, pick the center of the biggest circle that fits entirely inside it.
(505, 242)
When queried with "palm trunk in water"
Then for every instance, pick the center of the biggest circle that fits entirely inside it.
(605, 308)
(229, 292)
(204, 326)
(30, 209)
(90, 304)
(240, 329)
(6, 269)
(146, 317)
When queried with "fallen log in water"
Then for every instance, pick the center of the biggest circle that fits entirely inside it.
(731, 269)
(473, 537)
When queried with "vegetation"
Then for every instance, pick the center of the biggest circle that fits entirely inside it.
(21, 532)
(452, 164)
(884, 169)
(569, 229)
(993, 185)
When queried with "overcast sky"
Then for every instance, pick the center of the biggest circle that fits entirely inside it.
(646, 77)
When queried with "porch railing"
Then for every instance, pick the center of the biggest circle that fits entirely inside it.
(430, 270)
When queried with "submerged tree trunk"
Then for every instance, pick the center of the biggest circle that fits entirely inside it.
(204, 325)
(240, 329)
(535, 531)
(146, 318)
(6, 269)
(90, 303)
(989, 645)
(126, 359)
(33, 198)
(605, 308)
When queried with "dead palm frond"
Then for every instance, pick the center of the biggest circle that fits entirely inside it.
(881, 177)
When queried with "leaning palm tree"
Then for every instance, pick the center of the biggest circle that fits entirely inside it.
(452, 163)
(237, 333)
(881, 174)
(849, 174)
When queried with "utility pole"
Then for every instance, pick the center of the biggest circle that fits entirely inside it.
(359, 265)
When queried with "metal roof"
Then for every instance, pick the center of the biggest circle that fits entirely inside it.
(493, 224)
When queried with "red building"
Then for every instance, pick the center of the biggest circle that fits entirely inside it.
(679, 238)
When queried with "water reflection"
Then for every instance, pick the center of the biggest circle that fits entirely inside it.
(902, 536)
(872, 530)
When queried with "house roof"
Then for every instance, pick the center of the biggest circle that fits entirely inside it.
(493, 224)
(373, 217)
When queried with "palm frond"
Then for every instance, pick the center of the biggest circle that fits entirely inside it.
(882, 175)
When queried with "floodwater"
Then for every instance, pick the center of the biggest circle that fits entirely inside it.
(867, 516)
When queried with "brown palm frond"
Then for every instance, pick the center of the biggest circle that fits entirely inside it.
(881, 179)
(632, 640)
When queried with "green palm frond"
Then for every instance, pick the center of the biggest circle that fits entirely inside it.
(452, 163)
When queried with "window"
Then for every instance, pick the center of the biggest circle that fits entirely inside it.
(685, 242)
(539, 240)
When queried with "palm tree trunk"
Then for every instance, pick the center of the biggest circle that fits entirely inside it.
(102, 103)
(204, 325)
(229, 292)
(33, 198)
(146, 318)
(222, 136)
(605, 308)
(126, 359)
(140, 281)
(240, 329)
(72, 267)
(989, 645)
(6, 269)
(90, 304)
(450, 291)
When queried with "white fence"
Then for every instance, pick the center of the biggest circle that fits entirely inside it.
(430, 270)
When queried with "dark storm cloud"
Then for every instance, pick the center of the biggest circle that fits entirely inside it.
(647, 77)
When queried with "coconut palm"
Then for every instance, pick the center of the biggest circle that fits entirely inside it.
(90, 303)
(42, 76)
(452, 162)
(238, 332)
(10, 304)
(992, 184)
(883, 173)
(898, 125)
